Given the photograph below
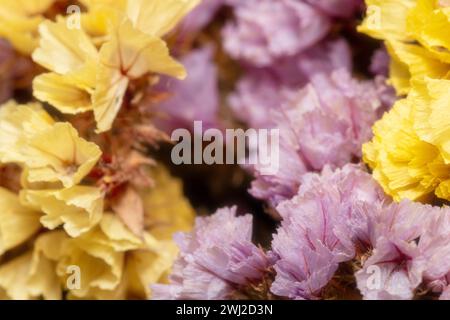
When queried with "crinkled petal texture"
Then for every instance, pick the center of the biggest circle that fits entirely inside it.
(17, 222)
(266, 30)
(110, 260)
(414, 33)
(78, 208)
(157, 18)
(130, 54)
(51, 152)
(325, 123)
(321, 228)
(261, 90)
(92, 67)
(408, 153)
(217, 256)
(411, 246)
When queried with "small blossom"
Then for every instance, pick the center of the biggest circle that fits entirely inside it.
(215, 259)
(266, 30)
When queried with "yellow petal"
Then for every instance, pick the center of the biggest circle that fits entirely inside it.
(101, 267)
(428, 23)
(130, 54)
(150, 266)
(63, 50)
(16, 123)
(387, 19)
(17, 223)
(62, 94)
(43, 280)
(60, 154)
(416, 61)
(158, 17)
(14, 277)
(78, 209)
(108, 97)
(166, 209)
(19, 21)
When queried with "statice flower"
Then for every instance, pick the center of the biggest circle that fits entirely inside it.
(321, 227)
(325, 123)
(411, 246)
(216, 259)
(266, 30)
(194, 99)
(261, 90)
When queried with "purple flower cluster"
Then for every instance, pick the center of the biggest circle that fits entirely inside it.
(216, 259)
(336, 217)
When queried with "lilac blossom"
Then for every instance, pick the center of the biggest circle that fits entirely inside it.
(325, 123)
(320, 229)
(266, 30)
(215, 259)
(411, 245)
(264, 89)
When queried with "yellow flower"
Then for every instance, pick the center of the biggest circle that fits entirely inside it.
(412, 61)
(428, 22)
(78, 208)
(72, 57)
(415, 34)
(387, 19)
(33, 274)
(114, 263)
(14, 280)
(406, 153)
(51, 151)
(166, 209)
(16, 122)
(84, 78)
(19, 21)
(17, 223)
(43, 280)
(129, 55)
(157, 18)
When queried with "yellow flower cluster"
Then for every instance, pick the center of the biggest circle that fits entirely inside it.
(61, 236)
(416, 37)
(113, 261)
(410, 151)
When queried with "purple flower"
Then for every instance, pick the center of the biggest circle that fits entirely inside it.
(411, 245)
(196, 98)
(264, 89)
(332, 117)
(434, 252)
(266, 30)
(320, 228)
(380, 62)
(201, 16)
(325, 123)
(215, 259)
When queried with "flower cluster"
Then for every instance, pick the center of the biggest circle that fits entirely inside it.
(93, 207)
(85, 212)
(338, 220)
(409, 153)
